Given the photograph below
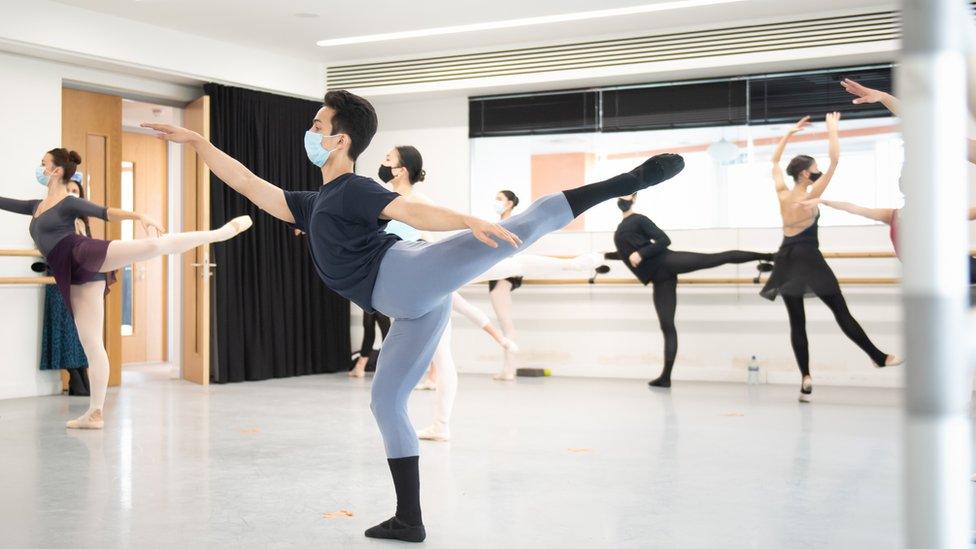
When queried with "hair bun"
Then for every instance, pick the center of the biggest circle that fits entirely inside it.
(74, 157)
(423, 174)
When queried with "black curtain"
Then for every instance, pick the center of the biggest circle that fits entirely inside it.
(272, 315)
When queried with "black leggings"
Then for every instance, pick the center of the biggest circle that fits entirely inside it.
(369, 330)
(666, 290)
(850, 327)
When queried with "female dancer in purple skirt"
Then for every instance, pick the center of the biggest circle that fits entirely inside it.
(84, 267)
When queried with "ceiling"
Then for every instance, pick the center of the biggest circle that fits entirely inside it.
(274, 26)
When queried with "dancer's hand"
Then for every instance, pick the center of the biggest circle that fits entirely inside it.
(864, 94)
(174, 134)
(833, 120)
(803, 123)
(150, 223)
(635, 259)
(485, 230)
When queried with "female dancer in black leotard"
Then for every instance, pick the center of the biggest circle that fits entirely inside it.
(83, 267)
(643, 248)
(800, 269)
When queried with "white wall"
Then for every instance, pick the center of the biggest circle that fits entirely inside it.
(30, 107)
(33, 27)
(612, 330)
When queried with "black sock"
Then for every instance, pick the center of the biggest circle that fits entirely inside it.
(653, 171)
(406, 481)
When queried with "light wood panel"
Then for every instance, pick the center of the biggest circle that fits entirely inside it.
(91, 123)
(149, 163)
(196, 264)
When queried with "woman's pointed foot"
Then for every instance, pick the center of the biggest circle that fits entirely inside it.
(806, 389)
(892, 360)
(395, 528)
(90, 420)
(438, 432)
(510, 345)
(658, 169)
(663, 382)
(504, 376)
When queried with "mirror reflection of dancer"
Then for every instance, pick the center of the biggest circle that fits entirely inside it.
(507, 276)
(644, 249)
(411, 282)
(888, 216)
(84, 267)
(800, 268)
(403, 168)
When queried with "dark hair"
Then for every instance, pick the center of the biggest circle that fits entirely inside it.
(798, 164)
(353, 116)
(511, 196)
(411, 160)
(66, 160)
(81, 195)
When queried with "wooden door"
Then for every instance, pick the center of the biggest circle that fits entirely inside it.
(196, 264)
(91, 123)
(143, 290)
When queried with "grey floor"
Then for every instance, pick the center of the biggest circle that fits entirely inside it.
(538, 463)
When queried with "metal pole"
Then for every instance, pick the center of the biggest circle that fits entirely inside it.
(931, 82)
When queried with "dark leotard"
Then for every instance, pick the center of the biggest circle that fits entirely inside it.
(71, 258)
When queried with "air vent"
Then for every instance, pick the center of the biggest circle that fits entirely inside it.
(830, 31)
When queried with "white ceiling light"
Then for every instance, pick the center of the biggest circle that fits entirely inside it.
(525, 22)
(723, 151)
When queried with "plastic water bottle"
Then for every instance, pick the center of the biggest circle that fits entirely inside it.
(753, 371)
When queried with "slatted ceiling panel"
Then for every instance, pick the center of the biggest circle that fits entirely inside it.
(702, 104)
(780, 99)
(830, 31)
(543, 113)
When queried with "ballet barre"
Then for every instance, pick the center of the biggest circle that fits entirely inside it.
(690, 281)
(22, 280)
(20, 253)
(828, 255)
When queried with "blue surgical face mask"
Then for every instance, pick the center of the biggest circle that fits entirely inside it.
(317, 154)
(42, 177)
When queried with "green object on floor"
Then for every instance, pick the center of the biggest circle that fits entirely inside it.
(533, 372)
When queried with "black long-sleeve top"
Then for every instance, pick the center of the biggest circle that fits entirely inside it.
(637, 233)
(56, 222)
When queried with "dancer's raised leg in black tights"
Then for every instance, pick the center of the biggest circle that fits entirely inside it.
(848, 324)
(666, 294)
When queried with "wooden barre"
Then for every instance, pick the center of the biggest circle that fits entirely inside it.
(691, 281)
(828, 255)
(20, 253)
(13, 280)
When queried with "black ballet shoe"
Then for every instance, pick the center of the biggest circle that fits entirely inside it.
(657, 169)
(762, 267)
(806, 389)
(39, 267)
(663, 382)
(395, 528)
(601, 269)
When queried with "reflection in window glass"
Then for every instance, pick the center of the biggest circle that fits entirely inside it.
(726, 182)
(128, 233)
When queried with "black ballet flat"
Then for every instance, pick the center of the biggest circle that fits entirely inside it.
(39, 267)
(762, 267)
(395, 528)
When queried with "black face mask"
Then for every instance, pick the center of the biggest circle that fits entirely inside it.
(815, 176)
(624, 204)
(386, 174)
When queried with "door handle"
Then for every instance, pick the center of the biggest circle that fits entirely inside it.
(207, 273)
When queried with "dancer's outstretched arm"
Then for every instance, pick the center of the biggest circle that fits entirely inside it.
(869, 95)
(22, 207)
(429, 217)
(883, 215)
(833, 136)
(264, 195)
(778, 154)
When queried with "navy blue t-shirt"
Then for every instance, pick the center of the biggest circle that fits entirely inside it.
(345, 233)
